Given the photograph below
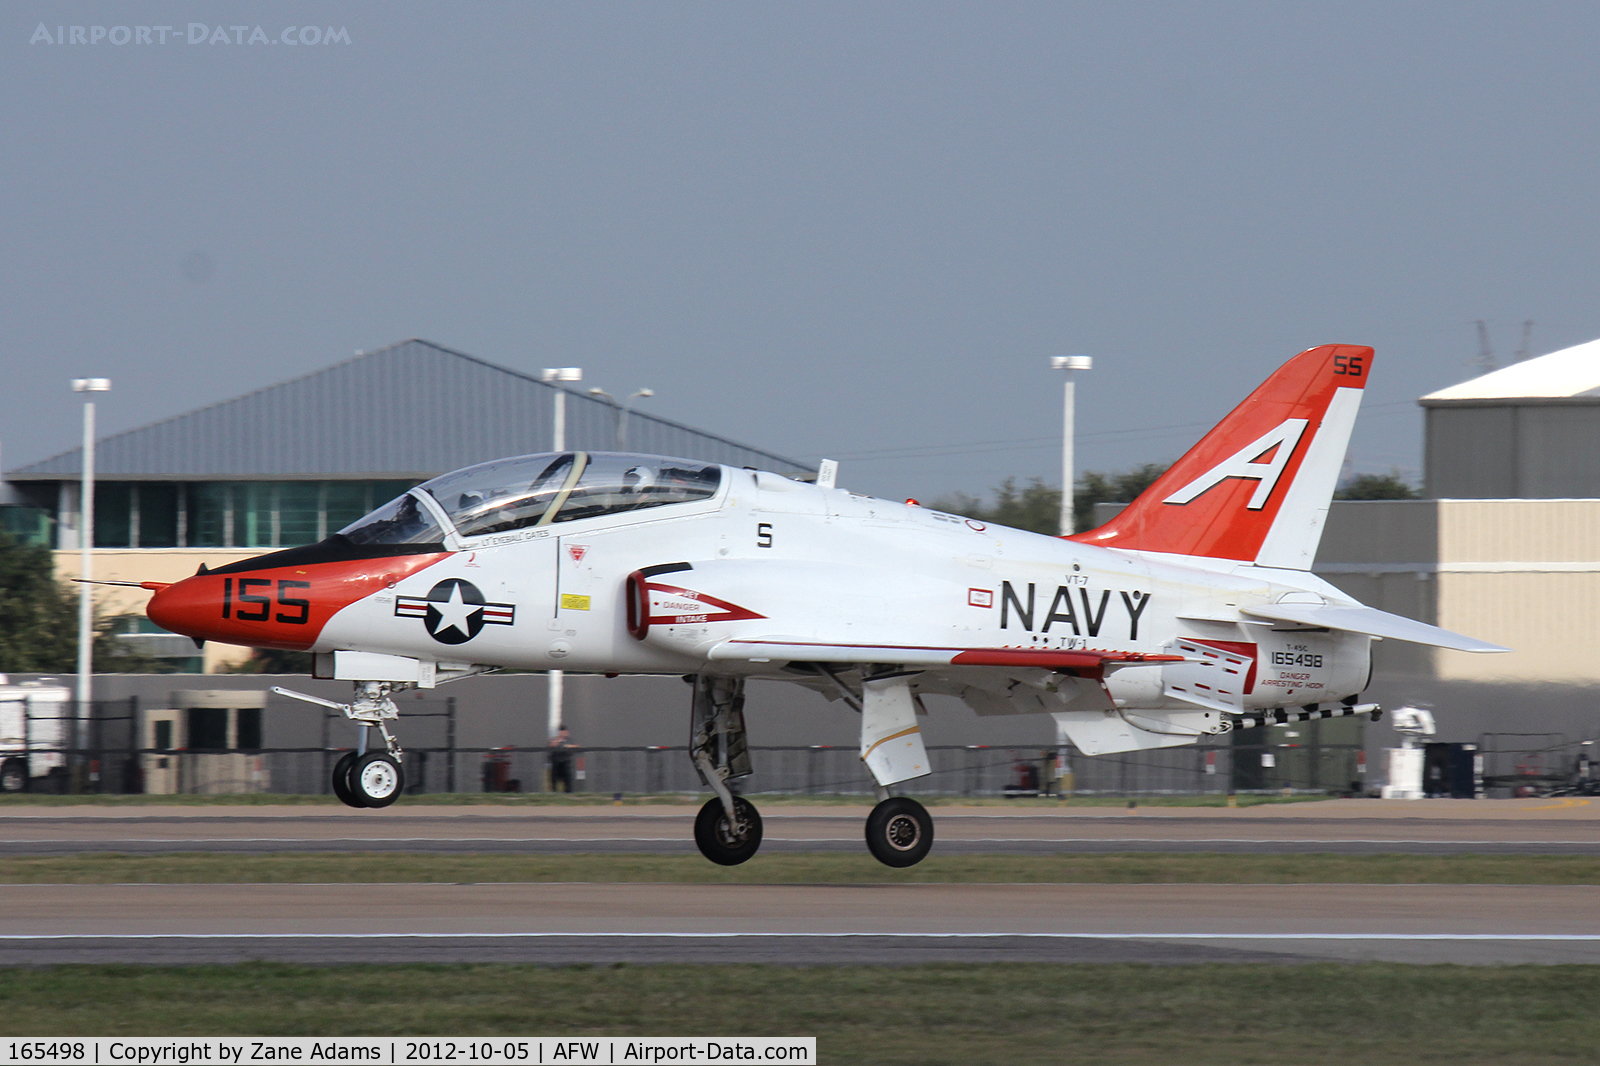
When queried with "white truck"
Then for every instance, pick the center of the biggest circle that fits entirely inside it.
(36, 721)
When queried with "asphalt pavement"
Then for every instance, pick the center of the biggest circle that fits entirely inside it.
(562, 924)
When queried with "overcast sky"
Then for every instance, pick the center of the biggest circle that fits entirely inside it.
(856, 230)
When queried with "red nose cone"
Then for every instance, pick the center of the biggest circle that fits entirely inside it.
(192, 607)
(276, 606)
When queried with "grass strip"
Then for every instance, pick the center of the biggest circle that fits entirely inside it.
(801, 868)
(594, 799)
(1018, 1015)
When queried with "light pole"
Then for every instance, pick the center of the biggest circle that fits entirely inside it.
(622, 411)
(86, 558)
(1069, 363)
(555, 376)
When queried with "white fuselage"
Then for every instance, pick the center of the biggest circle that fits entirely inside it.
(781, 571)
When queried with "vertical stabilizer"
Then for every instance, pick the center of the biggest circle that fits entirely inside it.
(1257, 487)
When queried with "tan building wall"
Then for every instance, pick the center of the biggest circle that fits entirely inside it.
(1521, 573)
(152, 564)
(1526, 574)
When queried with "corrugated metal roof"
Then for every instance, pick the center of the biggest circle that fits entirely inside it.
(1569, 373)
(412, 409)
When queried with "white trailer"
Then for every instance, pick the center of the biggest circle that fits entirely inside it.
(36, 723)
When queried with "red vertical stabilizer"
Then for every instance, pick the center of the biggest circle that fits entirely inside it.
(1257, 487)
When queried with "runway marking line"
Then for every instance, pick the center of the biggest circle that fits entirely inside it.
(779, 840)
(787, 884)
(1498, 937)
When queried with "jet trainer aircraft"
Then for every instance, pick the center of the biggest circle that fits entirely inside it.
(1191, 613)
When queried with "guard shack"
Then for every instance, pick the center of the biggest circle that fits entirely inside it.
(207, 743)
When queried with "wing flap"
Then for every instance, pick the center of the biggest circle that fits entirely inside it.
(1372, 622)
(1087, 662)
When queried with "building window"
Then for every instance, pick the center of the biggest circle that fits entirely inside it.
(249, 728)
(208, 728)
(157, 508)
(224, 514)
(113, 514)
(207, 515)
(31, 525)
(299, 507)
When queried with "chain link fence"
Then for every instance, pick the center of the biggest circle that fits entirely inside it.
(47, 748)
(793, 771)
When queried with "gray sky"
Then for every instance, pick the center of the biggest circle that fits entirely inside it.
(854, 230)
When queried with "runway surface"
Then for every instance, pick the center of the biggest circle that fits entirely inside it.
(595, 923)
(1560, 827)
(560, 924)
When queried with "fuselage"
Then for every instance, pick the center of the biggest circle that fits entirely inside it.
(747, 577)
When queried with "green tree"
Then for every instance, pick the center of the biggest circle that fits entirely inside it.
(1124, 487)
(1390, 486)
(38, 618)
(39, 621)
(1037, 506)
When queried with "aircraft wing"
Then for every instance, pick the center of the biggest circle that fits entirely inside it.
(1083, 663)
(1371, 621)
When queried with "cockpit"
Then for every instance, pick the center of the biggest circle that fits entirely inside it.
(537, 490)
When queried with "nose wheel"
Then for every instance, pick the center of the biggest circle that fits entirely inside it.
(899, 832)
(341, 780)
(723, 842)
(375, 779)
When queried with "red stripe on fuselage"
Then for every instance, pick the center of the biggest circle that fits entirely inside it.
(283, 607)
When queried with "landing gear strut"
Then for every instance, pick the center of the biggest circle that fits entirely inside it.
(363, 778)
(728, 828)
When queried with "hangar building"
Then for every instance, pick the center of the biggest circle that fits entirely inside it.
(1505, 548)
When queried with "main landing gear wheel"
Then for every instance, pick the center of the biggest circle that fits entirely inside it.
(376, 779)
(899, 832)
(718, 841)
(341, 780)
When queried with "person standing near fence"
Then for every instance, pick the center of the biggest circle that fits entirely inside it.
(561, 749)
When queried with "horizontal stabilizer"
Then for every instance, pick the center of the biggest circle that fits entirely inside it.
(1371, 621)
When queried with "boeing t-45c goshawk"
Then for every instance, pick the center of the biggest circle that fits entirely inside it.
(1190, 613)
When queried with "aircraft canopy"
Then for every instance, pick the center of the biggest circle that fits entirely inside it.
(534, 490)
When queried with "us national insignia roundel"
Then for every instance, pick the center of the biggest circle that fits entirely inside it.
(454, 611)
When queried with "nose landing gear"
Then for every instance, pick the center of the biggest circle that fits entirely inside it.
(728, 828)
(363, 778)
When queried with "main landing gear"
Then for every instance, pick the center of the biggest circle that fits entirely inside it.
(364, 778)
(728, 829)
(899, 832)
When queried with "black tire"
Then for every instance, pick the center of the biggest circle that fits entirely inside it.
(14, 776)
(717, 842)
(376, 779)
(899, 832)
(341, 780)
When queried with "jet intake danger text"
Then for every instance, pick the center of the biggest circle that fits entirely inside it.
(1087, 617)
